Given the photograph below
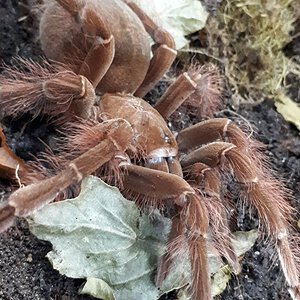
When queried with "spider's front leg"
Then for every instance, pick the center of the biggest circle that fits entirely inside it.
(261, 189)
(189, 225)
(26, 200)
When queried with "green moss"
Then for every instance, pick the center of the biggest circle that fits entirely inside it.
(253, 34)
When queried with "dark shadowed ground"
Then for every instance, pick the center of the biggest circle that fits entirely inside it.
(25, 273)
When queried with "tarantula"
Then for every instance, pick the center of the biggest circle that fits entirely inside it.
(105, 52)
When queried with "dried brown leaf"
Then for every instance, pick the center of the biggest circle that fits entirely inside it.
(10, 163)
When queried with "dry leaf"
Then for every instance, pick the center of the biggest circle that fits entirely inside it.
(289, 109)
(10, 163)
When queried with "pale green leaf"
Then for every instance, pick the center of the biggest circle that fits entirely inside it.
(289, 109)
(103, 237)
(178, 17)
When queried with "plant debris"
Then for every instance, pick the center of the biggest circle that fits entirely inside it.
(253, 35)
(289, 109)
(10, 164)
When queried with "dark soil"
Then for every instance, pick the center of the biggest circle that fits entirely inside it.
(25, 273)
